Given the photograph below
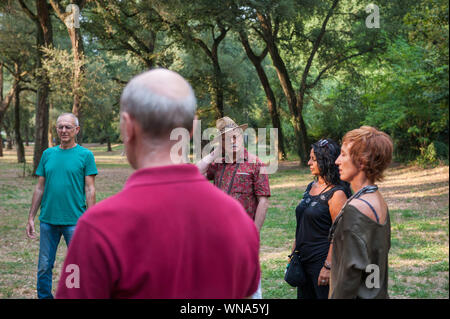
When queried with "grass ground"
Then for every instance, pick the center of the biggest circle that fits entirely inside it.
(417, 198)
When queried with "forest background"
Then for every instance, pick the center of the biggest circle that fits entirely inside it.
(311, 69)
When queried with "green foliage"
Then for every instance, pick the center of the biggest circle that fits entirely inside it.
(128, 27)
(341, 110)
(101, 117)
(409, 98)
(433, 154)
(58, 65)
(100, 93)
(428, 24)
(17, 42)
(399, 82)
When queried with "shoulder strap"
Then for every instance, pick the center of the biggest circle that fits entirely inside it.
(325, 190)
(364, 190)
(371, 207)
(331, 192)
(308, 188)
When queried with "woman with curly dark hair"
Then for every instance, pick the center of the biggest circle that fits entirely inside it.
(322, 201)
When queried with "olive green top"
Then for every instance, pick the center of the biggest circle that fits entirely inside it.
(360, 249)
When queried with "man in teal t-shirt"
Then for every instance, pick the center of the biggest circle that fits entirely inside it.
(65, 189)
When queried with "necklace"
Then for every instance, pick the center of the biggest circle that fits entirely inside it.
(320, 184)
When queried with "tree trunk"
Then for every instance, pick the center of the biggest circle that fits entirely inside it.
(4, 103)
(44, 39)
(9, 140)
(19, 142)
(1, 100)
(109, 144)
(299, 125)
(79, 138)
(50, 136)
(276, 123)
(303, 85)
(77, 50)
(289, 92)
(1, 82)
(27, 136)
(213, 55)
(1, 143)
(304, 137)
(71, 20)
(271, 101)
(218, 87)
(50, 125)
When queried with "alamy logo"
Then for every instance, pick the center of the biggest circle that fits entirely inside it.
(373, 279)
(73, 279)
(73, 19)
(373, 19)
(257, 143)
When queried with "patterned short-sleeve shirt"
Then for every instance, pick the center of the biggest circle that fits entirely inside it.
(249, 182)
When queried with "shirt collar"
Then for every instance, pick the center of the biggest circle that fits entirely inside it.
(164, 174)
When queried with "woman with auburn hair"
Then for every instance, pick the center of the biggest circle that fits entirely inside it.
(322, 201)
(361, 233)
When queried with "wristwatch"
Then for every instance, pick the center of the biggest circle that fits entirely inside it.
(327, 265)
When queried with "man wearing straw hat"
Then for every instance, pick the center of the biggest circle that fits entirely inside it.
(238, 173)
(157, 237)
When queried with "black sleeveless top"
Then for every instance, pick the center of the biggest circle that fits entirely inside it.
(313, 224)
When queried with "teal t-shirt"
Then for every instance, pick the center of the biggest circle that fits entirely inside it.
(64, 199)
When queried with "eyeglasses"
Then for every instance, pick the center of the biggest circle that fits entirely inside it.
(67, 127)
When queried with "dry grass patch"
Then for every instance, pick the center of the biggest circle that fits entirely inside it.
(417, 199)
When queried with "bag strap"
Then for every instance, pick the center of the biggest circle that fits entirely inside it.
(221, 175)
(232, 178)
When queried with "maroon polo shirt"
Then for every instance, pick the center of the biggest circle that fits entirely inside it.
(168, 234)
(249, 182)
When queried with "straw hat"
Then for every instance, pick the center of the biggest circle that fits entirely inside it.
(226, 124)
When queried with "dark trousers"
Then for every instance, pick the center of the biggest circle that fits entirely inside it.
(310, 290)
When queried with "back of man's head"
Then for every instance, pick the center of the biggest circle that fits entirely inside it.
(159, 100)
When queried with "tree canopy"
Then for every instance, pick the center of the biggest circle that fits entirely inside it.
(311, 69)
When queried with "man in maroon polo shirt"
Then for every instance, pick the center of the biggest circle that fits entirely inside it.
(238, 173)
(169, 233)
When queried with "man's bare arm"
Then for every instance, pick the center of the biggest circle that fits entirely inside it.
(261, 210)
(35, 204)
(89, 188)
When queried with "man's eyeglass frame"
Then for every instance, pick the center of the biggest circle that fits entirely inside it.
(67, 127)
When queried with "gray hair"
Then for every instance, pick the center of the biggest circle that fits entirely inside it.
(157, 114)
(75, 119)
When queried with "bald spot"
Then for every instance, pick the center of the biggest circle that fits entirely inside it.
(165, 83)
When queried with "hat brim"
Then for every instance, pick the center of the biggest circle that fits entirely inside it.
(242, 126)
